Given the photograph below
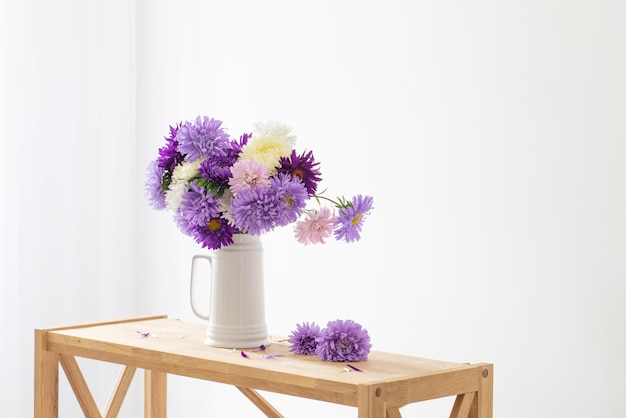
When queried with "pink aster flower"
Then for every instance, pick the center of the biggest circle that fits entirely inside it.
(247, 174)
(317, 226)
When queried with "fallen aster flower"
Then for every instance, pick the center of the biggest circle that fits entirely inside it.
(304, 339)
(343, 341)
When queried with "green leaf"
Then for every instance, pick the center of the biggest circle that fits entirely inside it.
(166, 181)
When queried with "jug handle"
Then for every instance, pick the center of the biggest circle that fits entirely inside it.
(191, 285)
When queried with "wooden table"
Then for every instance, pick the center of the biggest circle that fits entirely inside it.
(387, 381)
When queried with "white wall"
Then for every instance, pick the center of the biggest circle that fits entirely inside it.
(69, 170)
(491, 135)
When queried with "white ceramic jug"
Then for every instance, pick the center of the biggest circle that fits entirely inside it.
(236, 316)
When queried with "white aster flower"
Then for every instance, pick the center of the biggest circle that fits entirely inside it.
(186, 171)
(225, 203)
(174, 196)
(269, 142)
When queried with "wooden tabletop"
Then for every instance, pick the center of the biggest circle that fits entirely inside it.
(177, 347)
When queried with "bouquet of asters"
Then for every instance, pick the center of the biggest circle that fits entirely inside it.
(217, 186)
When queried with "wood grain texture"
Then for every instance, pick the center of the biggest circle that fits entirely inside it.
(160, 345)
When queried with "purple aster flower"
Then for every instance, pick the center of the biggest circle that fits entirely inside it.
(303, 167)
(198, 206)
(153, 186)
(169, 157)
(255, 211)
(237, 146)
(293, 195)
(204, 138)
(351, 217)
(217, 171)
(304, 339)
(217, 233)
(343, 341)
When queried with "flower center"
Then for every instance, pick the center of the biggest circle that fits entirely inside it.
(214, 225)
(356, 219)
(250, 179)
(345, 345)
(297, 172)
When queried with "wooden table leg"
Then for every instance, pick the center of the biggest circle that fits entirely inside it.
(462, 405)
(260, 402)
(482, 407)
(155, 394)
(371, 402)
(393, 413)
(46, 378)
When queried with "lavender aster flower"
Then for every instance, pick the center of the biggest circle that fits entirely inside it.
(204, 138)
(351, 217)
(343, 341)
(292, 193)
(153, 186)
(255, 211)
(184, 225)
(303, 339)
(198, 206)
(303, 167)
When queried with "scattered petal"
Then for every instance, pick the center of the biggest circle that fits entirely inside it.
(356, 369)
(271, 356)
(261, 348)
(243, 354)
(143, 334)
